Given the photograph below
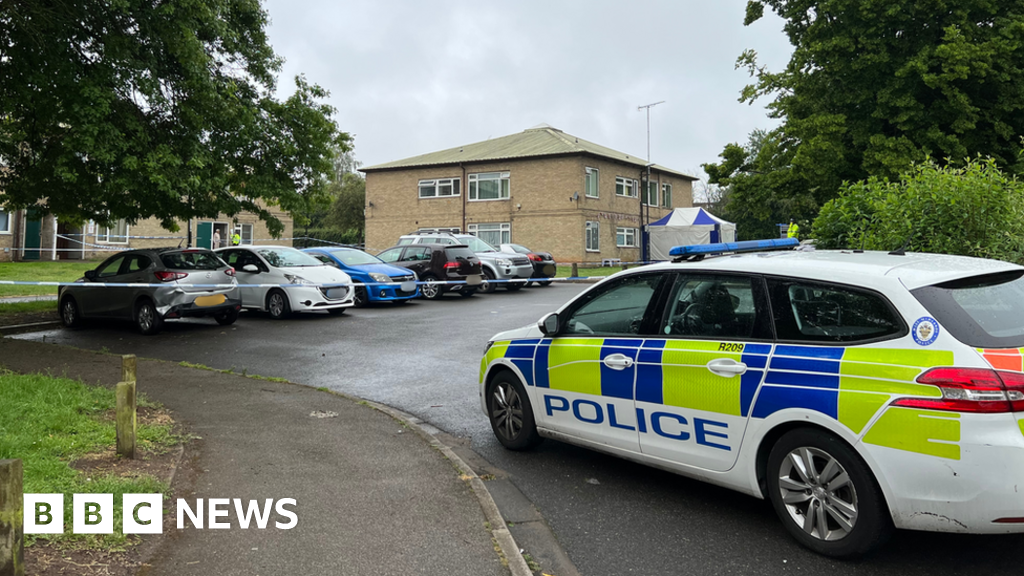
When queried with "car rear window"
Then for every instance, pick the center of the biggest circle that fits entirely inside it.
(830, 313)
(191, 260)
(981, 311)
(459, 252)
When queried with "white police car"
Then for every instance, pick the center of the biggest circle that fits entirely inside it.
(858, 391)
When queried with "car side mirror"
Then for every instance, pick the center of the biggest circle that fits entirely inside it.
(90, 275)
(549, 324)
(251, 268)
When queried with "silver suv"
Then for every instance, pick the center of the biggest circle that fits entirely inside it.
(496, 265)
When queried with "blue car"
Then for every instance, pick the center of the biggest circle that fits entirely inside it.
(363, 267)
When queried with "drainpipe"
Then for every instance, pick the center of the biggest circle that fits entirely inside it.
(465, 193)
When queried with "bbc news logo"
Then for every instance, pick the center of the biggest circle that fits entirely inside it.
(144, 514)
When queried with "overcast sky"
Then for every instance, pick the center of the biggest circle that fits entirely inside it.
(414, 76)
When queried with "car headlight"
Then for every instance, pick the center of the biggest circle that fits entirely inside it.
(293, 279)
(488, 347)
(380, 277)
(503, 262)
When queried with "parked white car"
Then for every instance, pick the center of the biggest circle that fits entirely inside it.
(275, 265)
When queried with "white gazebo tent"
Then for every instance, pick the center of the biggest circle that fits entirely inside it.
(685, 227)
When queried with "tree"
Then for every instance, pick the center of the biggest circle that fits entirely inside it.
(973, 210)
(133, 109)
(763, 189)
(347, 212)
(873, 87)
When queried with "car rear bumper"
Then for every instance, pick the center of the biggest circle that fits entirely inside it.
(191, 310)
(544, 270)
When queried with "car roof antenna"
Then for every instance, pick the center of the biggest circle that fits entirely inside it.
(902, 250)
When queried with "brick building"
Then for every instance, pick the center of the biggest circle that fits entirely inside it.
(24, 235)
(541, 188)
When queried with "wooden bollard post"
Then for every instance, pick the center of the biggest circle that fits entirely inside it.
(128, 365)
(12, 538)
(126, 419)
(575, 271)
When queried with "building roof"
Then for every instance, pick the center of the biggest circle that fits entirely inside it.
(539, 141)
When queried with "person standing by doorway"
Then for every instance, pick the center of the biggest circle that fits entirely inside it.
(794, 229)
(216, 239)
(236, 238)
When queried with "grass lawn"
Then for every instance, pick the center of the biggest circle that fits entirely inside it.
(63, 271)
(23, 307)
(565, 269)
(49, 422)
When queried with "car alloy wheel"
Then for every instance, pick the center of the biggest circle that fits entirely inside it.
(510, 413)
(507, 410)
(431, 289)
(818, 493)
(147, 318)
(277, 305)
(69, 313)
(359, 298)
(488, 286)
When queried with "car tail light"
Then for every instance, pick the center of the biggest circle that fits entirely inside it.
(534, 257)
(451, 265)
(971, 390)
(230, 271)
(165, 276)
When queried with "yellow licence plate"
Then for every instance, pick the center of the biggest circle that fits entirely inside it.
(210, 300)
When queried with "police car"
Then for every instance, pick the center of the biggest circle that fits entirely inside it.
(858, 391)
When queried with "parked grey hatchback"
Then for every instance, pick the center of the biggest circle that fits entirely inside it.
(165, 287)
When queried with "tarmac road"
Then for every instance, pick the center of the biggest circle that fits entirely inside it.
(611, 516)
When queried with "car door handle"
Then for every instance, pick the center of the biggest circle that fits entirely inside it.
(727, 367)
(618, 361)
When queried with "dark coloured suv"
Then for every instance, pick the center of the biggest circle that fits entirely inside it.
(434, 262)
(163, 287)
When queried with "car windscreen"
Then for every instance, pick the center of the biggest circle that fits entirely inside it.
(519, 249)
(477, 245)
(981, 311)
(459, 253)
(191, 260)
(287, 258)
(355, 257)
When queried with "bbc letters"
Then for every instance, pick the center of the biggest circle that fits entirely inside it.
(144, 514)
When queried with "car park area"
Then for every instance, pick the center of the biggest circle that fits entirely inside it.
(612, 516)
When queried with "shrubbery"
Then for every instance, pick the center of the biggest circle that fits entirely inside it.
(333, 235)
(972, 210)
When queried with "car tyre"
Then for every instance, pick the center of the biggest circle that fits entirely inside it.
(545, 283)
(70, 317)
(488, 285)
(277, 305)
(147, 318)
(431, 290)
(510, 413)
(826, 496)
(226, 318)
(360, 298)
(514, 286)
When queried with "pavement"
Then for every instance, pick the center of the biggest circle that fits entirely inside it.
(375, 491)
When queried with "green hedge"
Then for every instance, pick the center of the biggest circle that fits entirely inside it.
(330, 235)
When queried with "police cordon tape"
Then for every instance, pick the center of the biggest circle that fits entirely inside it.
(307, 285)
(108, 248)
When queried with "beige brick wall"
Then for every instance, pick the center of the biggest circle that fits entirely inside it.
(540, 209)
(7, 240)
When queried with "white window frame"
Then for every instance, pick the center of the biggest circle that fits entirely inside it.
(504, 230)
(652, 187)
(504, 186)
(666, 195)
(240, 229)
(588, 171)
(454, 184)
(592, 231)
(629, 237)
(10, 216)
(630, 185)
(104, 238)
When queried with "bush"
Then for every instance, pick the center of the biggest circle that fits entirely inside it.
(327, 235)
(971, 210)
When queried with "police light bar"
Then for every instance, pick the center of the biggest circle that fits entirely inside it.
(746, 246)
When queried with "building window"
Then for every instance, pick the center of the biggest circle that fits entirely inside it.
(591, 183)
(116, 233)
(5, 222)
(651, 198)
(666, 195)
(593, 237)
(626, 187)
(493, 234)
(489, 186)
(626, 237)
(440, 187)
(244, 231)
